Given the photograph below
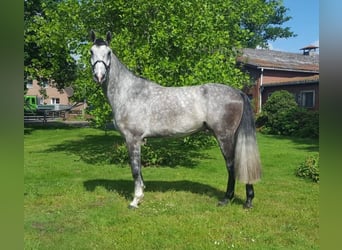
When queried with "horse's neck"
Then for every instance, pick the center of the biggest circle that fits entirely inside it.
(120, 82)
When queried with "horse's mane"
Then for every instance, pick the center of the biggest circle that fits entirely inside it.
(100, 41)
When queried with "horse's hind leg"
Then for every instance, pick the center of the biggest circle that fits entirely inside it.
(229, 196)
(249, 195)
(227, 149)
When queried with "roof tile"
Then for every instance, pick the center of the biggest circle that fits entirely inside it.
(280, 60)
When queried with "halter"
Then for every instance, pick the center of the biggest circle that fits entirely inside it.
(100, 61)
(106, 66)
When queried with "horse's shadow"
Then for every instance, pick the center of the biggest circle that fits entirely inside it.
(125, 187)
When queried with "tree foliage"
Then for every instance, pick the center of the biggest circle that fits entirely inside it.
(47, 50)
(174, 43)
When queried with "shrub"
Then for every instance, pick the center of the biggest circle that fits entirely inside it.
(280, 101)
(308, 123)
(309, 169)
(282, 116)
(279, 111)
(119, 155)
(157, 154)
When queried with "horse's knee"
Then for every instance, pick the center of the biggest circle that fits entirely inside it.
(135, 173)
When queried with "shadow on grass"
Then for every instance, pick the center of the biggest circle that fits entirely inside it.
(111, 149)
(91, 149)
(307, 144)
(125, 188)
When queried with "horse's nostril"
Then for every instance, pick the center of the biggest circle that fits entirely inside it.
(98, 77)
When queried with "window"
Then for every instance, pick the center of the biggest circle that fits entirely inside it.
(55, 101)
(307, 99)
(29, 83)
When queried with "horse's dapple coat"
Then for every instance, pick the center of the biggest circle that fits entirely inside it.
(143, 109)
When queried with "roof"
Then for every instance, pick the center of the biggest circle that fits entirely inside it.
(278, 60)
(294, 81)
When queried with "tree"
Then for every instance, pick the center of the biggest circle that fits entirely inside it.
(188, 42)
(265, 21)
(47, 53)
(173, 43)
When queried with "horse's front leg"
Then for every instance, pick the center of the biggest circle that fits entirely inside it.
(134, 148)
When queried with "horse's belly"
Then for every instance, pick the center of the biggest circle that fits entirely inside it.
(173, 124)
(172, 131)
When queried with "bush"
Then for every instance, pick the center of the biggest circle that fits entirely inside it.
(309, 169)
(280, 101)
(120, 154)
(308, 124)
(157, 154)
(278, 113)
(282, 116)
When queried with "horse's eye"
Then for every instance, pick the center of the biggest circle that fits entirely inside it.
(108, 54)
(91, 52)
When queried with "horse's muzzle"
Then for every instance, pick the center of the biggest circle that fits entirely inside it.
(100, 70)
(99, 78)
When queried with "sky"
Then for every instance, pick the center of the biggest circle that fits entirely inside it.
(304, 23)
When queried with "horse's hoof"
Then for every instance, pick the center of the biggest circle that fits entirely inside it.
(223, 203)
(247, 205)
(132, 207)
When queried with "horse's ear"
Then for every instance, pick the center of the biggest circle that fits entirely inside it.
(92, 36)
(108, 37)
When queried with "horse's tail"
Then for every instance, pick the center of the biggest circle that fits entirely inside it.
(247, 163)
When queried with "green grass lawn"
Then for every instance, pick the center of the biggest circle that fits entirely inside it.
(75, 198)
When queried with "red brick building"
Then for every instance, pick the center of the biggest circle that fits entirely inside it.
(59, 98)
(275, 70)
(54, 96)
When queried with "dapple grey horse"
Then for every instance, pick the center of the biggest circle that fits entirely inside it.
(144, 109)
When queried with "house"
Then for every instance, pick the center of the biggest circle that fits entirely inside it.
(53, 95)
(58, 98)
(275, 70)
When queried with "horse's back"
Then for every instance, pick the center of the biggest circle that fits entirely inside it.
(188, 109)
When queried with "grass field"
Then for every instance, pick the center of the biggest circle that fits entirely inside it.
(75, 198)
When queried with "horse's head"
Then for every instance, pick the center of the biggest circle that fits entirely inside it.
(100, 57)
